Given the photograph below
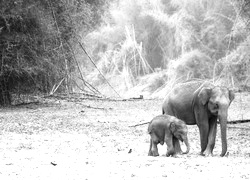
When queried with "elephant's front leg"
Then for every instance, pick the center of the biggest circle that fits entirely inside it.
(203, 128)
(177, 146)
(170, 146)
(150, 153)
(153, 150)
(202, 122)
(211, 137)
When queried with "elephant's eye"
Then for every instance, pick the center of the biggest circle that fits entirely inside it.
(216, 106)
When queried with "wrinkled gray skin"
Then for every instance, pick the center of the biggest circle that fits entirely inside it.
(168, 129)
(201, 103)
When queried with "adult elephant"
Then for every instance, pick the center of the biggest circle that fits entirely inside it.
(201, 103)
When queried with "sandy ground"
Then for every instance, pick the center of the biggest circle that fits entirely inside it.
(73, 140)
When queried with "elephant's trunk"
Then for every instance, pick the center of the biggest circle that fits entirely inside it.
(223, 127)
(187, 145)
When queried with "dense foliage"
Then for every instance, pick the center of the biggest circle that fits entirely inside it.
(36, 38)
(190, 38)
(173, 40)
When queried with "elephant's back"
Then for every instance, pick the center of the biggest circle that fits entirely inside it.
(182, 94)
(179, 102)
(158, 123)
(186, 91)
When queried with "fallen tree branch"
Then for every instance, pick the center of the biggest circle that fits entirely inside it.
(133, 98)
(236, 127)
(139, 124)
(229, 122)
(239, 121)
(27, 103)
(129, 99)
(88, 106)
(65, 96)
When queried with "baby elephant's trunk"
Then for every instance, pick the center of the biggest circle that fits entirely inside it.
(187, 145)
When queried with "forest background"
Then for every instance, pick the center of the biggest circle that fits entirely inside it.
(121, 48)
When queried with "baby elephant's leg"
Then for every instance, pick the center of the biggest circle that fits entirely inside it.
(150, 153)
(153, 145)
(170, 147)
(155, 149)
(177, 146)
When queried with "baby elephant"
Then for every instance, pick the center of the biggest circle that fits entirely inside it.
(168, 129)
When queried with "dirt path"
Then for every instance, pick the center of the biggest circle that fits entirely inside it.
(72, 141)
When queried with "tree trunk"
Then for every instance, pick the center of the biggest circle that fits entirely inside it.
(5, 98)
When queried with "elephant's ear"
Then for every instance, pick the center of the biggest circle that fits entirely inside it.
(172, 127)
(204, 95)
(231, 95)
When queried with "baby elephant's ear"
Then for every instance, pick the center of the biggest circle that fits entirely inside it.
(172, 127)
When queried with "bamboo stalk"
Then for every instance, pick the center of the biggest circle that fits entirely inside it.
(54, 89)
(61, 46)
(91, 88)
(98, 69)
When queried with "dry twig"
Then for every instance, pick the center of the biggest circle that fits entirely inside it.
(139, 124)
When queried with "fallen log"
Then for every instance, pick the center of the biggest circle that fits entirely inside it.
(238, 121)
(229, 122)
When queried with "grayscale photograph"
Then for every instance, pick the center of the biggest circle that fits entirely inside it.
(124, 89)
